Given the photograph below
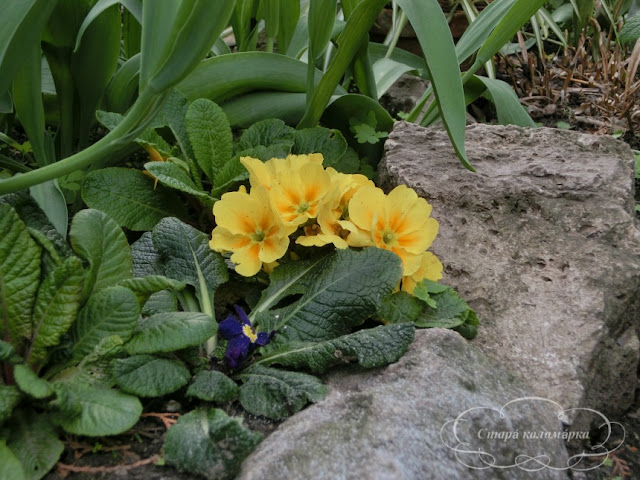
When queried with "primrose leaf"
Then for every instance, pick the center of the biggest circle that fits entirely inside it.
(104, 412)
(277, 394)
(451, 310)
(167, 332)
(147, 138)
(30, 383)
(213, 386)
(173, 114)
(56, 307)
(231, 173)
(111, 311)
(266, 133)
(149, 376)
(146, 286)
(9, 399)
(98, 240)
(371, 347)
(630, 31)
(343, 289)
(19, 275)
(400, 307)
(171, 175)
(10, 466)
(210, 136)
(184, 250)
(129, 197)
(164, 301)
(330, 143)
(146, 259)
(34, 442)
(209, 443)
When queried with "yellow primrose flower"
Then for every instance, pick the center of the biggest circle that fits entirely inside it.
(398, 222)
(248, 226)
(430, 268)
(266, 173)
(154, 156)
(298, 195)
(331, 227)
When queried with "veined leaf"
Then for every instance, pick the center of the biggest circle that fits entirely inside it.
(433, 32)
(56, 307)
(10, 466)
(185, 250)
(145, 286)
(210, 136)
(9, 398)
(371, 347)
(19, 276)
(232, 173)
(369, 275)
(34, 441)
(128, 196)
(104, 412)
(213, 386)
(630, 31)
(400, 307)
(173, 114)
(22, 22)
(171, 175)
(110, 311)
(168, 332)
(149, 376)
(277, 394)
(330, 143)
(30, 383)
(207, 442)
(146, 259)
(266, 133)
(98, 240)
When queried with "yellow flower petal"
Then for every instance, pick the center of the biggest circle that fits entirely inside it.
(430, 269)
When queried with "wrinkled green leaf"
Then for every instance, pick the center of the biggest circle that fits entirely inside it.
(167, 332)
(129, 197)
(372, 347)
(111, 311)
(19, 275)
(99, 241)
(209, 443)
(266, 133)
(34, 441)
(230, 174)
(399, 308)
(630, 31)
(56, 307)
(213, 386)
(30, 383)
(9, 399)
(173, 176)
(164, 301)
(146, 286)
(451, 311)
(330, 143)
(10, 467)
(104, 412)
(149, 376)
(146, 259)
(277, 394)
(210, 135)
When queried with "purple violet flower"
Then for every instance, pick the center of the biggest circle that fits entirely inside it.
(242, 337)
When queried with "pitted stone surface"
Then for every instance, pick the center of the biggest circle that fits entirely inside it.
(387, 424)
(542, 241)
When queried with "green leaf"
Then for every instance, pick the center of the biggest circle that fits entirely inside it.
(213, 386)
(369, 348)
(451, 311)
(100, 7)
(210, 136)
(167, 332)
(209, 443)
(146, 259)
(22, 20)
(149, 376)
(19, 276)
(10, 467)
(34, 441)
(229, 175)
(328, 308)
(111, 311)
(277, 394)
(104, 412)
(98, 240)
(399, 308)
(630, 31)
(8, 354)
(322, 15)
(330, 143)
(129, 197)
(386, 72)
(267, 133)
(173, 114)
(121, 91)
(56, 307)
(184, 250)
(436, 42)
(164, 301)
(51, 200)
(9, 399)
(30, 383)
(171, 175)
(144, 287)
(289, 12)
(508, 107)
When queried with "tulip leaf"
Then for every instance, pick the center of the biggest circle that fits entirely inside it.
(277, 394)
(206, 441)
(19, 275)
(149, 376)
(369, 348)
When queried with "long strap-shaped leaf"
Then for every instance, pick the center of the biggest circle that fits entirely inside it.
(433, 33)
(349, 42)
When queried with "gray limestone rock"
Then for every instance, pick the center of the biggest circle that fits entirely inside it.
(397, 423)
(543, 243)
